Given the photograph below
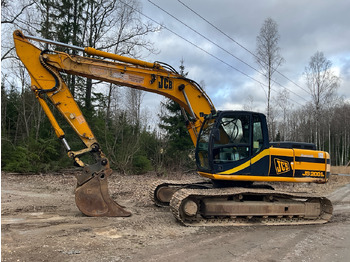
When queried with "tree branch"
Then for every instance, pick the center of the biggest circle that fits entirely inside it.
(16, 16)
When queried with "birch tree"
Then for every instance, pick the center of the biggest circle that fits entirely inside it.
(322, 83)
(268, 56)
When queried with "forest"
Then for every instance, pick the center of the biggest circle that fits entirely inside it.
(132, 143)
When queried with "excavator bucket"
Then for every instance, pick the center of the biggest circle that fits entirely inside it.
(92, 199)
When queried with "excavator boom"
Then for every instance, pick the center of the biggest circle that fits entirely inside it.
(44, 68)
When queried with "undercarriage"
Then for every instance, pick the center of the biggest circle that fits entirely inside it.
(201, 204)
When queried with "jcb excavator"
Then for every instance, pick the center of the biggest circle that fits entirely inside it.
(232, 147)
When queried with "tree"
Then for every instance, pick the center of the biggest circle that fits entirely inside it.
(108, 25)
(133, 105)
(48, 16)
(268, 55)
(68, 26)
(249, 105)
(283, 106)
(116, 27)
(14, 15)
(11, 14)
(173, 122)
(322, 84)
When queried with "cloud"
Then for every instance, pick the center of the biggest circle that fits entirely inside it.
(304, 27)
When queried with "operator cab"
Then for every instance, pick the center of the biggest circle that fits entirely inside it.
(229, 139)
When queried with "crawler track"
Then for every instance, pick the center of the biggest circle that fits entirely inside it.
(243, 206)
(171, 186)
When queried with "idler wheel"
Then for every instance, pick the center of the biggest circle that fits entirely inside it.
(190, 208)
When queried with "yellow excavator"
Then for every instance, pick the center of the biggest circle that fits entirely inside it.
(232, 149)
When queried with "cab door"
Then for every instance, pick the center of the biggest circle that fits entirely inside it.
(231, 144)
(260, 159)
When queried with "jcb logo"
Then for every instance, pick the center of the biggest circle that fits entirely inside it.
(281, 166)
(165, 83)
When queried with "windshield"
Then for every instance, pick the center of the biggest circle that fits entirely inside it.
(233, 143)
(231, 129)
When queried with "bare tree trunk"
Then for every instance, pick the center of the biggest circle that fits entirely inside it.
(268, 57)
(23, 110)
(38, 125)
(88, 90)
(109, 101)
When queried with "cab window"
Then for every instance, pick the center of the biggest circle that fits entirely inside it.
(232, 144)
(257, 134)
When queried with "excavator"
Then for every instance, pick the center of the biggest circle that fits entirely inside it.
(235, 161)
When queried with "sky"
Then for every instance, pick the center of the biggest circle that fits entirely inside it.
(305, 27)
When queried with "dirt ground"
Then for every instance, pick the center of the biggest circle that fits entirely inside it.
(40, 222)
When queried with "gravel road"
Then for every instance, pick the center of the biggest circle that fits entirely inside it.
(40, 222)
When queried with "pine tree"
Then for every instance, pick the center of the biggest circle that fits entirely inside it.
(46, 8)
(69, 24)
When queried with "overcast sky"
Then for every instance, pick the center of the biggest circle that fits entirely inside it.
(305, 27)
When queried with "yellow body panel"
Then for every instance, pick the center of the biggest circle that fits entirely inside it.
(310, 171)
(285, 152)
(262, 178)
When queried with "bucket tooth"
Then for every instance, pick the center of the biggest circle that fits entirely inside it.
(92, 199)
